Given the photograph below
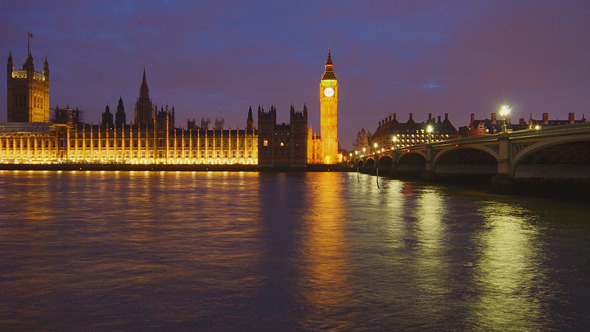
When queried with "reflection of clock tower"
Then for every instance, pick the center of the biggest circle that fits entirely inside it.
(329, 114)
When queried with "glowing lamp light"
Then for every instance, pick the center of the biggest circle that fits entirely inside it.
(537, 127)
(505, 110)
(429, 129)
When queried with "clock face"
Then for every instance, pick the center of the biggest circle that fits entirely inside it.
(328, 92)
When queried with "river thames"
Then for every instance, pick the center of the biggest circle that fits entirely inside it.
(284, 252)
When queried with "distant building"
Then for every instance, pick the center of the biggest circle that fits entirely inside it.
(282, 145)
(67, 139)
(362, 140)
(27, 92)
(153, 138)
(391, 133)
(494, 125)
(67, 116)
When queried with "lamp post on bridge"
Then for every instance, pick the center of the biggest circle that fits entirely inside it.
(504, 111)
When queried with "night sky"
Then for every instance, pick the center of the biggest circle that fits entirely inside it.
(216, 58)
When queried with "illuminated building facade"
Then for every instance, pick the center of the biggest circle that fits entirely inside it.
(27, 92)
(128, 144)
(66, 139)
(295, 144)
(328, 118)
(391, 133)
(153, 137)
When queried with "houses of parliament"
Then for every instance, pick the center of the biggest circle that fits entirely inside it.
(36, 134)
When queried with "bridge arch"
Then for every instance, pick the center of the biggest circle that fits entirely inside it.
(561, 157)
(413, 161)
(466, 160)
(385, 162)
(369, 163)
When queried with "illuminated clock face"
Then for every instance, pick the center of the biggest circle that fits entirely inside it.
(328, 92)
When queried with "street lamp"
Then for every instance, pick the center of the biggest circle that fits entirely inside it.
(504, 111)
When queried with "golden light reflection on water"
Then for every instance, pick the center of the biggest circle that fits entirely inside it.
(324, 248)
(509, 269)
(430, 212)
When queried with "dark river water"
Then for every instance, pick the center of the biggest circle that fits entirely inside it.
(284, 252)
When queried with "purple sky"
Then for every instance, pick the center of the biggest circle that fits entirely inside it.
(216, 58)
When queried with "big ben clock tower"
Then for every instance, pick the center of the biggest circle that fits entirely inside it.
(329, 114)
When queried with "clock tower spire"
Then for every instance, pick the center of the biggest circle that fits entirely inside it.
(329, 114)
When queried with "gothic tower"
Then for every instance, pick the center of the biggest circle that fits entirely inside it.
(27, 92)
(329, 114)
(107, 117)
(250, 121)
(143, 106)
(120, 117)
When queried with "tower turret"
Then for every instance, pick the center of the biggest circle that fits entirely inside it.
(120, 117)
(27, 92)
(9, 65)
(250, 121)
(143, 106)
(329, 73)
(46, 69)
(107, 117)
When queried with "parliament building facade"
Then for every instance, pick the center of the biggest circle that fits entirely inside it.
(32, 136)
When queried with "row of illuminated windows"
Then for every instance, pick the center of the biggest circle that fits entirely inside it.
(423, 135)
(23, 143)
(17, 144)
(126, 143)
(193, 154)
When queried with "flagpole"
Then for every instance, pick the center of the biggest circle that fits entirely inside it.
(29, 36)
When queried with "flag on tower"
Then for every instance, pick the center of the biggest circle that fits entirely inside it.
(30, 35)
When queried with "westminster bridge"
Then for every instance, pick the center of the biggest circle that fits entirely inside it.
(555, 153)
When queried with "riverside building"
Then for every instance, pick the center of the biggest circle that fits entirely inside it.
(36, 134)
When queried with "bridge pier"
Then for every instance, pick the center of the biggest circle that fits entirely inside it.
(503, 182)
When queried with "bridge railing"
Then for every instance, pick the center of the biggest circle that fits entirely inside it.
(544, 131)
